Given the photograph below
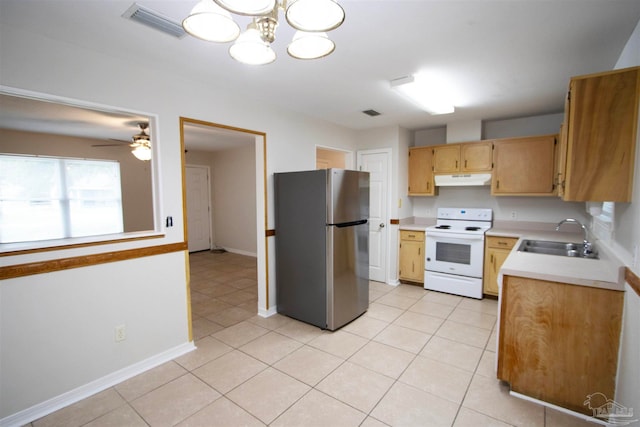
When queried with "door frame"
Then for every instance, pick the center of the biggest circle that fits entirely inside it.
(209, 201)
(265, 295)
(389, 153)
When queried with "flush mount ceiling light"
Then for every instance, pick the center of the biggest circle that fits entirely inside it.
(211, 20)
(425, 93)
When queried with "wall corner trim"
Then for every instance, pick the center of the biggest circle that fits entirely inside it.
(632, 279)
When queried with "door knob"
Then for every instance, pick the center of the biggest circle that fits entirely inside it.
(382, 225)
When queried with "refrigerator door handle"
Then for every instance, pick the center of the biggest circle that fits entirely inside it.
(350, 224)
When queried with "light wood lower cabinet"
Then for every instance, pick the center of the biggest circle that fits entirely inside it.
(497, 250)
(411, 256)
(559, 342)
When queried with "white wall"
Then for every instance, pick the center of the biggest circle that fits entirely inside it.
(626, 240)
(234, 200)
(120, 292)
(524, 126)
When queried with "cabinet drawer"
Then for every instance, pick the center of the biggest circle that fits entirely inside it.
(501, 242)
(416, 236)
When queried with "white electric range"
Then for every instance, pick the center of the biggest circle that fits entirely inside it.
(454, 251)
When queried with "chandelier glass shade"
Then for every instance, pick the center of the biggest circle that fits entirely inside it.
(248, 7)
(251, 49)
(211, 20)
(307, 45)
(314, 15)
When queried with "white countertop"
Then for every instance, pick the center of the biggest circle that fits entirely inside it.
(606, 272)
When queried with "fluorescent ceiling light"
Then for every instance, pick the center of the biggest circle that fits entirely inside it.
(425, 93)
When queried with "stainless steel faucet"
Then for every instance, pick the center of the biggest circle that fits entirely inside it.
(586, 243)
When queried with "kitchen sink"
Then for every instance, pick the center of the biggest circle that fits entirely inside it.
(556, 248)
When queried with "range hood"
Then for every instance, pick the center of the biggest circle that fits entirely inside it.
(468, 179)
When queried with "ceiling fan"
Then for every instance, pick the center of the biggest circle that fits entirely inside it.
(141, 143)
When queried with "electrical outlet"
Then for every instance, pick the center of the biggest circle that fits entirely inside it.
(121, 333)
(514, 215)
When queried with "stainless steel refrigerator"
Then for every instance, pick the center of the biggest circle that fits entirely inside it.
(322, 245)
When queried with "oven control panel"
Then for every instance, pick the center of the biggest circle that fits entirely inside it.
(473, 214)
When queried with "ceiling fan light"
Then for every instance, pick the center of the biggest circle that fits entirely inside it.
(314, 15)
(210, 22)
(248, 7)
(142, 152)
(307, 45)
(249, 48)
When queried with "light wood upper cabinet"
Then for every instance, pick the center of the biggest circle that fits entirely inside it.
(464, 157)
(446, 158)
(559, 342)
(476, 157)
(420, 173)
(524, 166)
(601, 117)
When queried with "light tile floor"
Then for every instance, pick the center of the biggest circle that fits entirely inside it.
(416, 358)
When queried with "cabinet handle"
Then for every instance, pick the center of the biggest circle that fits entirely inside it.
(456, 164)
(413, 267)
(502, 243)
(491, 259)
(428, 185)
(497, 184)
(465, 163)
(419, 251)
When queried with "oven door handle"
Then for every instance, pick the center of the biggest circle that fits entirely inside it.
(453, 236)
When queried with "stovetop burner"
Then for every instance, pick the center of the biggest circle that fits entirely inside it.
(472, 228)
(443, 227)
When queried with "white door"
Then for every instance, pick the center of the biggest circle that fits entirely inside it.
(376, 162)
(198, 218)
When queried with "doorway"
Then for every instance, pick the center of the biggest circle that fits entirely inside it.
(236, 158)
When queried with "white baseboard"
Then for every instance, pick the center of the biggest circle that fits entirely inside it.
(267, 313)
(561, 409)
(241, 252)
(65, 399)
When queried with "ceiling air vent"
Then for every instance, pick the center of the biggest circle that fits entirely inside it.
(371, 113)
(155, 20)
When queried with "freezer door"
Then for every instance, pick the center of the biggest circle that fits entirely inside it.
(347, 196)
(347, 273)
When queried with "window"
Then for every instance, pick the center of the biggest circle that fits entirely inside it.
(44, 198)
(603, 219)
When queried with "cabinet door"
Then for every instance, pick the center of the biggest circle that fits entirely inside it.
(497, 251)
(476, 157)
(524, 166)
(446, 158)
(559, 342)
(603, 121)
(411, 260)
(420, 173)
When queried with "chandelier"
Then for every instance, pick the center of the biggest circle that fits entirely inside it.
(211, 20)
